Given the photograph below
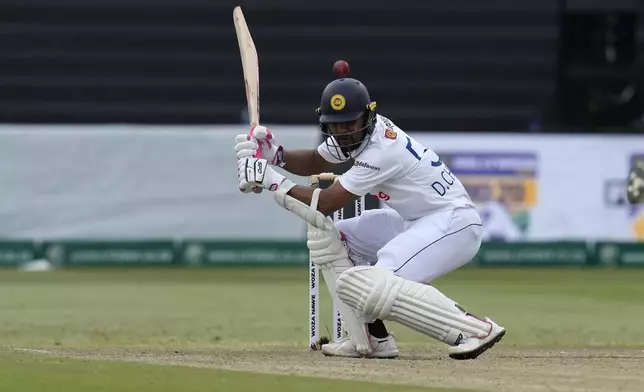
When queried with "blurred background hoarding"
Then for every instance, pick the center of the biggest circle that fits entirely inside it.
(119, 117)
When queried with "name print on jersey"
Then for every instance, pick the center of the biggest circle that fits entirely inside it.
(447, 178)
(441, 187)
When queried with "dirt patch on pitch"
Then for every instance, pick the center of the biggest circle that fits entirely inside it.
(504, 370)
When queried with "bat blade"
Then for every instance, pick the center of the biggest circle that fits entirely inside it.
(250, 65)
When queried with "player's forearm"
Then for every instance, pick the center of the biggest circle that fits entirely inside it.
(326, 205)
(304, 162)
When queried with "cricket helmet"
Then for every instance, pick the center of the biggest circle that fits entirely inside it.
(343, 103)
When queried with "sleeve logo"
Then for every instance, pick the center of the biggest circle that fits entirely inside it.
(366, 165)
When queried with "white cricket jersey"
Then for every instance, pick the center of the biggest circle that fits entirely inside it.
(404, 174)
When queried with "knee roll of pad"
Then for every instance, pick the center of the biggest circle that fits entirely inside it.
(369, 290)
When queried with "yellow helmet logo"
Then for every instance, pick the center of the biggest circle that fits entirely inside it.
(338, 102)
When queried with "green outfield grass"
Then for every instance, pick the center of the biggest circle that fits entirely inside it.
(233, 308)
(214, 307)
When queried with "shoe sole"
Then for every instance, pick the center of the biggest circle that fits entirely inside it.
(339, 356)
(478, 351)
(390, 356)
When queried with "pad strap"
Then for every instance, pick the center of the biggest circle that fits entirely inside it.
(315, 198)
(310, 215)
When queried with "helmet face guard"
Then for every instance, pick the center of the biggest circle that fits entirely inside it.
(347, 136)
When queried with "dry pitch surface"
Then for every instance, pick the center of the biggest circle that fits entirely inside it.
(505, 369)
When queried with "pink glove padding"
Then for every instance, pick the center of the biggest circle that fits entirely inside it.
(267, 147)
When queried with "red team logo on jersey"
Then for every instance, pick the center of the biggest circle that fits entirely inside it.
(389, 134)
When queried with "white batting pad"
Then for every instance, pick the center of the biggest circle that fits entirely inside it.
(329, 253)
(326, 247)
(377, 293)
(356, 328)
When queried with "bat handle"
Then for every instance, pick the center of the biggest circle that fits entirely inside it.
(258, 153)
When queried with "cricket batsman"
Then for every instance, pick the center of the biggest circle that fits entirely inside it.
(380, 263)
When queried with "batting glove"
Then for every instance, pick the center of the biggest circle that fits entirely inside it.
(256, 173)
(261, 140)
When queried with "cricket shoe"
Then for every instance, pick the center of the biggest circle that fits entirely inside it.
(382, 348)
(473, 347)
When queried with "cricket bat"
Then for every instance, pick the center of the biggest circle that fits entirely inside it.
(250, 66)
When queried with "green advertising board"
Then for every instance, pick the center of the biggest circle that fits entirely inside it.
(17, 252)
(623, 254)
(198, 252)
(106, 253)
(205, 253)
(535, 254)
